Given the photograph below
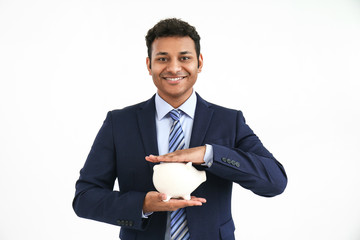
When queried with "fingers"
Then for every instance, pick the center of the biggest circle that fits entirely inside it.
(175, 204)
(177, 156)
(152, 158)
(156, 159)
(163, 158)
(153, 202)
(202, 200)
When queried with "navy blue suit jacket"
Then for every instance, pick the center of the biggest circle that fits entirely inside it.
(129, 134)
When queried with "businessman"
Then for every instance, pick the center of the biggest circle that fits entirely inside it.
(175, 125)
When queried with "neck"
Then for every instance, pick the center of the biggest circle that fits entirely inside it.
(175, 102)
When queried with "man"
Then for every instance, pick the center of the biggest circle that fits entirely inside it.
(132, 140)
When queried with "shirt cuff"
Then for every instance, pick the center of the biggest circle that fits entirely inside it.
(146, 215)
(209, 156)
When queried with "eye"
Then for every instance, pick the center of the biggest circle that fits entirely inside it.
(185, 58)
(161, 59)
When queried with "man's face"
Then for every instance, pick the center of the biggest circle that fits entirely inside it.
(174, 68)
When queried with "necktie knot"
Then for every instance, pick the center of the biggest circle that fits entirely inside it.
(175, 114)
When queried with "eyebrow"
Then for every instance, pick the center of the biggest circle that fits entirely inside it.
(166, 53)
(162, 53)
(185, 52)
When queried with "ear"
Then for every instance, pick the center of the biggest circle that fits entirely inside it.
(189, 164)
(148, 64)
(201, 61)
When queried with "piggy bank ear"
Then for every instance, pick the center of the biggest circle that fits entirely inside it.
(155, 167)
(189, 164)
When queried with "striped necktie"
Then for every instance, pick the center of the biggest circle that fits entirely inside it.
(178, 225)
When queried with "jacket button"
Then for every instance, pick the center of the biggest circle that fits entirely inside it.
(237, 164)
(223, 159)
(228, 161)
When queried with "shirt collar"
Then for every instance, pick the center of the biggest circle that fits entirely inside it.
(163, 108)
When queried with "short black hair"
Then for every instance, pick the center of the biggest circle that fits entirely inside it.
(172, 27)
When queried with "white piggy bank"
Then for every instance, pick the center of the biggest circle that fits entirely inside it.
(177, 179)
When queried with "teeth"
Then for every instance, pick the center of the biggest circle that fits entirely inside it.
(174, 79)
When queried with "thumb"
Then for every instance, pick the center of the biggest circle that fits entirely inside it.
(162, 196)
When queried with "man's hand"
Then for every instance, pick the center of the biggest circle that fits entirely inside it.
(194, 155)
(154, 202)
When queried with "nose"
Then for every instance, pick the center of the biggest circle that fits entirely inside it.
(174, 66)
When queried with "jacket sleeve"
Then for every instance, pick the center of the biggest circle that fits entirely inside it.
(95, 198)
(249, 163)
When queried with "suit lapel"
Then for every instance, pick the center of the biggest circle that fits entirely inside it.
(147, 126)
(202, 119)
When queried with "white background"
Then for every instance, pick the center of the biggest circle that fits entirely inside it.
(291, 66)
